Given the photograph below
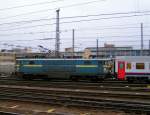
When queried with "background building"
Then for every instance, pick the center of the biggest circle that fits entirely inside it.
(113, 51)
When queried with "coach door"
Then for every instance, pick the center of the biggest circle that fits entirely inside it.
(121, 70)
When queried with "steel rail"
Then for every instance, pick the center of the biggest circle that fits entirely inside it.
(95, 94)
(80, 86)
(8, 113)
(65, 83)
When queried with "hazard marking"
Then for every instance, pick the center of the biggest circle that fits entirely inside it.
(50, 110)
(148, 86)
(84, 114)
(14, 107)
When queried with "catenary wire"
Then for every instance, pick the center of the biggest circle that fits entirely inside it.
(45, 10)
(77, 21)
(73, 17)
(27, 5)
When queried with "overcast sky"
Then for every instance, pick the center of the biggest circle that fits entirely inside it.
(115, 28)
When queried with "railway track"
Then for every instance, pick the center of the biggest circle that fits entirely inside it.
(64, 82)
(108, 85)
(126, 101)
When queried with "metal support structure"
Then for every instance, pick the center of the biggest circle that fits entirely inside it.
(57, 45)
(149, 47)
(142, 39)
(97, 48)
(73, 43)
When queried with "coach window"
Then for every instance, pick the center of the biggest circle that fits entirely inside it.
(140, 66)
(121, 66)
(128, 65)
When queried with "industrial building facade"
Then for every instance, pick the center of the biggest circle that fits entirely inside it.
(106, 52)
(117, 51)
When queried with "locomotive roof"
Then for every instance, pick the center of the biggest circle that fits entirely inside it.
(103, 59)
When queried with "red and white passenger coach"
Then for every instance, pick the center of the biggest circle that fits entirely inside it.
(132, 68)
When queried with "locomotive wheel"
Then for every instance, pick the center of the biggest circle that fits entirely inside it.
(97, 79)
(27, 77)
(74, 78)
(46, 79)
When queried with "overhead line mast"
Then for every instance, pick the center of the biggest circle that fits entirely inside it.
(142, 39)
(73, 42)
(57, 45)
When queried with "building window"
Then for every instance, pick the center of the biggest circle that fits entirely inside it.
(128, 65)
(140, 66)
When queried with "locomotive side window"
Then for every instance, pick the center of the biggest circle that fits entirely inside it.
(87, 62)
(140, 66)
(129, 66)
(31, 62)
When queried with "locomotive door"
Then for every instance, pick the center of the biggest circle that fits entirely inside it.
(121, 70)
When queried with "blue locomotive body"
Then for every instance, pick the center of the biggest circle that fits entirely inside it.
(62, 68)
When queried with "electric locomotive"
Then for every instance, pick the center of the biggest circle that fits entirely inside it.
(75, 69)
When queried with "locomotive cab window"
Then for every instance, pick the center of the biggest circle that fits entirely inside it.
(129, 66)
(140, 66)
(18, 62)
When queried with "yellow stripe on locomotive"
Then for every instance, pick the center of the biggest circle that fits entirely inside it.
(33, 65)
(86, 66)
